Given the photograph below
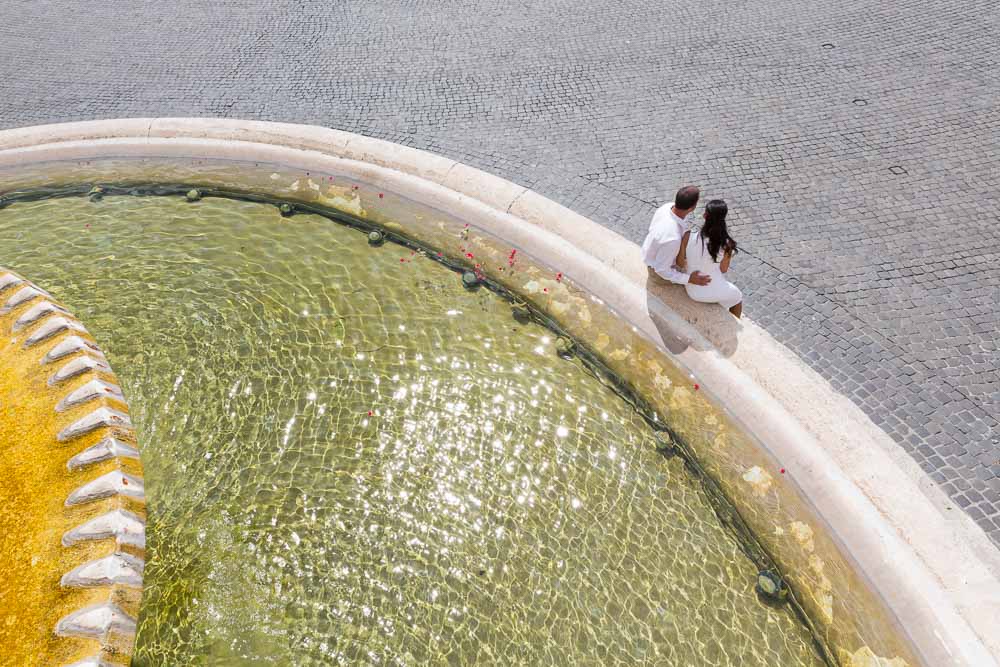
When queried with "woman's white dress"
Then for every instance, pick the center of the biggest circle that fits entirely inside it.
(720, 290)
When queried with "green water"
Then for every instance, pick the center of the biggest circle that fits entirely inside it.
(499, 506)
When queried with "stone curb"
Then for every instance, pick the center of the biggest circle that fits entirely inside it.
(938, 575)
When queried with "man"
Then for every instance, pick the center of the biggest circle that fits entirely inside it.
(660, 248)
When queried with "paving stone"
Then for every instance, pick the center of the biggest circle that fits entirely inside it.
(869, 233)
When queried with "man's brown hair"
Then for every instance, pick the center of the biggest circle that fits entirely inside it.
(687, 197)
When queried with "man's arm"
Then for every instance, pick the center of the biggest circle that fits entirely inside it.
(664, 265)
(675, 275)
(681, 261)
(666, 268)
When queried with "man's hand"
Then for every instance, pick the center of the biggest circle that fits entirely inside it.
(699, 278)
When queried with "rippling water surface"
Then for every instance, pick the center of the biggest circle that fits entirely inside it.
(350, 459)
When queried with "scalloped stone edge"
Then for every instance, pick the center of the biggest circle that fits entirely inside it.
(44, 320)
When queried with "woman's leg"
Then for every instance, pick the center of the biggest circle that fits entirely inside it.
(732, 298)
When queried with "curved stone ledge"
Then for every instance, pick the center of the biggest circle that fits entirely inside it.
(860, 535)
(98, 564)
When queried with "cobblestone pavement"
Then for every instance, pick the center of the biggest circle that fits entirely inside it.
(856, 141)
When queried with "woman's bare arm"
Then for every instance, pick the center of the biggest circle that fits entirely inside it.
(726, 258)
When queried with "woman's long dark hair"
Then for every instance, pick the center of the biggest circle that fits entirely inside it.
(714, 232)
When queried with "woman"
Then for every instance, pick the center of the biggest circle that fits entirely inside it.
(710, 251)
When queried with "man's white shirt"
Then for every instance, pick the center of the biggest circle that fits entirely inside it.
(663, 242)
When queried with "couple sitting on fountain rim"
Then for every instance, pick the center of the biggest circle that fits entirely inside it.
(696, 259)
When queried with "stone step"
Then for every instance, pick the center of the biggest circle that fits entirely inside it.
(37, 312)
(23, 295)
(91, 391)
(109, 448)
(127, 528)
(102, 417)
(118, 569)
(51, 327)
(92, 661)
(78, 366)
(99, 622)
(9, 280)
(71, 345)
(114, 483)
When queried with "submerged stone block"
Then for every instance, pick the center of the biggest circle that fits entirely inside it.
(470, 280)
